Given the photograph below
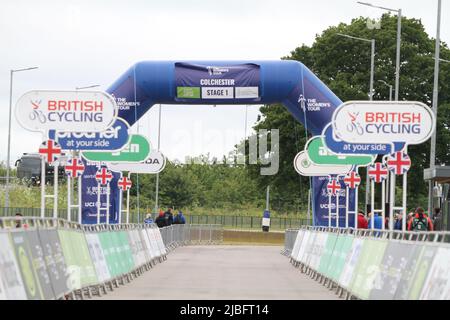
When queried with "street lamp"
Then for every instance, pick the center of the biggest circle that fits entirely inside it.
(8, 157)
(88, 87)
(390, 88)
(399, 32)
(372, 70)
(435, 104)
(157, 175)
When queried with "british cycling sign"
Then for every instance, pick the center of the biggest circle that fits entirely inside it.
(409, 122)
(73, 111)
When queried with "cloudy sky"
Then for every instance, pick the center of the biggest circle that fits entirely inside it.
(81, 43)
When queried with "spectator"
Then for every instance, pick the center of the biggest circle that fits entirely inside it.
(437, 219)
(148, 219)
(179, 218)
(168, 215)
(398, 221)
(362, 221)
(161, 221)
(420, 221)
(377, 221)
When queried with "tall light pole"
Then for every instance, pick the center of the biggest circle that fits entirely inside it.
(88, 87)
(390, 88)
(157, 175)
(435, 103)
(8, 157)
(399, 35)
(372, 71)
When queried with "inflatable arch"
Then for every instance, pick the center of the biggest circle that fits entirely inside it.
(287, 82)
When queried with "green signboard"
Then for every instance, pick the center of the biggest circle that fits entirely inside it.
(137, 150)
(318, 153)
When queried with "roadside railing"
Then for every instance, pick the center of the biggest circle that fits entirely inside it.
(191, 234)
(290, 236)
(375, 264)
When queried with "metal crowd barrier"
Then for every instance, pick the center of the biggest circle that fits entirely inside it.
(290, 236)
(191, 234)
(375, 264)
(57, 259)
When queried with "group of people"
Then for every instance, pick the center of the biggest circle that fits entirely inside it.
(416, 220)
(167, 218)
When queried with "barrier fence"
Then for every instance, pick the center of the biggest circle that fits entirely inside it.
(290, 235)
(375, 264)
(57, 259)
(227, 221)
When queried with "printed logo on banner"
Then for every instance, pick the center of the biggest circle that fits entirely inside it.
(112, 139)
(75, 111)
(383, 122)
(155, 163)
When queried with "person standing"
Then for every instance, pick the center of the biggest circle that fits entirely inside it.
(148, 219)
(161, 221)
(179, 218)
(362, 221)
(437, 219)
(420, 221)
(168, 215)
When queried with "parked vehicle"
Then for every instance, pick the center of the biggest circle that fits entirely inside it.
(29, 170)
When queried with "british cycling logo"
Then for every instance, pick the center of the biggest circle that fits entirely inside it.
(354, 126)
(35, 113)
(217, 71)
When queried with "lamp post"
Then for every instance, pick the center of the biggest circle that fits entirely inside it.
(88, 87)
(157, 175)
(435, 104)
(372, 71)
(399, 34)
(8, 157)
(390, 88)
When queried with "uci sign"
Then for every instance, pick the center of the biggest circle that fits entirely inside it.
(383, 122)
(74, 111)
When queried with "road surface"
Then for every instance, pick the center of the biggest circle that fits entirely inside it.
(223, 272)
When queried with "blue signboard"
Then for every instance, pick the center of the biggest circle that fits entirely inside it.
(89, 197)
(342, 147)
(215, 82)
(321, 203)
(113, 138)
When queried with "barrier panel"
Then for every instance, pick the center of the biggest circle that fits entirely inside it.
(376, 265)
(46, 258)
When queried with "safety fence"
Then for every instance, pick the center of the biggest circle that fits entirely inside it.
(376, 265)
(290, 235)
(57, 259)
(191, 234)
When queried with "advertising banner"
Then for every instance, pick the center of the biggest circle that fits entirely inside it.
(368, 267)
(318, 250)
(310, 247)
(421, 271)
(217, 83)
(159, 240)
(97, 256)
(73, 111)
(25, 261)
(327, 253)
(383, 122)
(321, 203)
(89, 197)
(307, 168)
(39, 265)
(351, 262)
(407, 274)
(395, 260)
(110, 252)
(11, 284)
(437, 283)
(155, 163)
(54, 258)
(114, 138)
(137, 150)
(297, 244)
(148, 247)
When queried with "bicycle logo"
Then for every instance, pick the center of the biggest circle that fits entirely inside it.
(355, 126)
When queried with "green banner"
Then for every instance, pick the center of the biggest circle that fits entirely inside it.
(328, 251)
(422, 268)
(340, 252)
(368, 267)
(188, 92)
(318, 153)
(137, 150)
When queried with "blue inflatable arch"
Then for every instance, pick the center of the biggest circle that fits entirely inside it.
(287, 82)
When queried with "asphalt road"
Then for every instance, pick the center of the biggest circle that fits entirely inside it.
(223, 272)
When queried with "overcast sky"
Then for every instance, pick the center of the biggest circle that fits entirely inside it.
(80, 43)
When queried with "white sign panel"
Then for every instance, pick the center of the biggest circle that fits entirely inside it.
(383, 122)
(306, 167)
(217, 93)
(155, 163)
(76, 111)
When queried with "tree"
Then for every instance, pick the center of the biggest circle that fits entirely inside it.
(344, 65)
